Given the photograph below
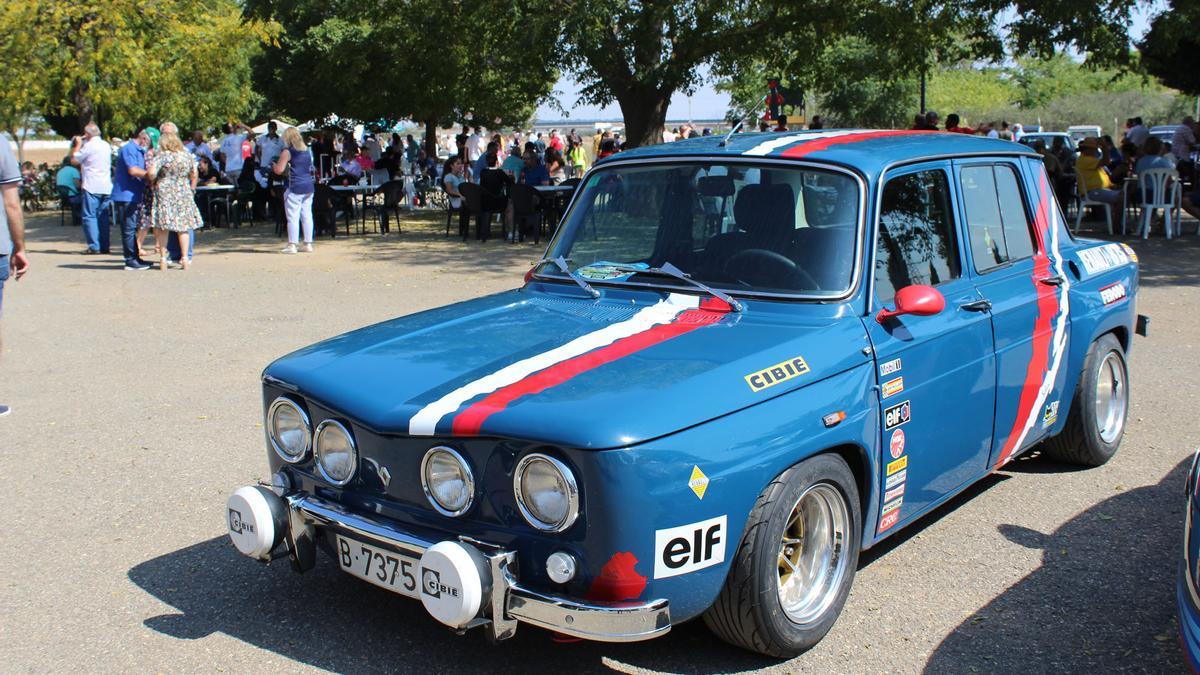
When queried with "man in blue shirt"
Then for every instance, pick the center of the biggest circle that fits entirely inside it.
(129, 187)
(481, 163)
(535, 172)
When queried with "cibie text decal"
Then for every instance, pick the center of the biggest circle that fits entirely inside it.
(780, 372)
(687, 548)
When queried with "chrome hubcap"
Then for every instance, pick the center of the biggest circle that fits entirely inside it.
(812, 553)
(1112, 397)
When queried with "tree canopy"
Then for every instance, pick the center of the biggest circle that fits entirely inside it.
(1171, 48)
(124, 63)
(487, 62)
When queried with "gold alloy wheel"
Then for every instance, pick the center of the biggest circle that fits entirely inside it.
(812, 553)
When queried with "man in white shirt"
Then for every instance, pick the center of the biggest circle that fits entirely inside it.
(1138, 133)
(473, 149)
(93, 156)
(269, 147)
(1183, 141)
(374, 150)
(198, 146)
(231, 150)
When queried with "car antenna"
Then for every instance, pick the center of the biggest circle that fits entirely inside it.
(734, 130)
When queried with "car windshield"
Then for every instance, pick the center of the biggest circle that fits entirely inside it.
(743, 228)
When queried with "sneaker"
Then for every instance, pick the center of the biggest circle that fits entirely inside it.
(137, 266)
(172, 263)
(308, 247)
(4, 410)
(290, 248)
(90, 251)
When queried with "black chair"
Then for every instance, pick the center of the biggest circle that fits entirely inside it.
(472, 205)
(324, 212)
(65, 203)
(219, 206)
(393, 194)
(242, 202)
(527, 208)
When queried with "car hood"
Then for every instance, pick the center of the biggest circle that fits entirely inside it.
(543, 364)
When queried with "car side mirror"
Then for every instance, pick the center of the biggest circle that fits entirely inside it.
(917, 300)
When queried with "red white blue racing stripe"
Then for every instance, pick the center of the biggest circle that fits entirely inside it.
(1050, 327)
(676, 315)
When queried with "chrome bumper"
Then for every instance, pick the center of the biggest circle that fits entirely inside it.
(507, 603)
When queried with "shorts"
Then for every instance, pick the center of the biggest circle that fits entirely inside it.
(1106, 196)
(3, 278)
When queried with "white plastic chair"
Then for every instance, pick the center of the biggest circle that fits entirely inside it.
(1084, 202)
(1162, 188)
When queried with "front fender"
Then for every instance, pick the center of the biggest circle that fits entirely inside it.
(647, 489)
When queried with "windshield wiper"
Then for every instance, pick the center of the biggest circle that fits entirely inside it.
(561, 263)
(669, 270)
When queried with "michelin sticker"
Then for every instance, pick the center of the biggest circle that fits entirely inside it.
(1099, 259)
(687, 548)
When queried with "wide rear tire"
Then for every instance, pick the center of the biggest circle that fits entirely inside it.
(1096, 423)
(803, 536)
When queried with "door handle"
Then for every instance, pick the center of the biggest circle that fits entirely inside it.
(976, 306)
(1052, 281)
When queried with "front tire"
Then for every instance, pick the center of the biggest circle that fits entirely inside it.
(1096, 422)
(792, 572)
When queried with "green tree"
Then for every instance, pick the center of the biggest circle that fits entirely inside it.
(23, 93)
(435, 62)
(126, 62)
(1170, 50)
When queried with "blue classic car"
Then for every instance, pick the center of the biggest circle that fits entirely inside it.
(1187, 590)
(742, 362)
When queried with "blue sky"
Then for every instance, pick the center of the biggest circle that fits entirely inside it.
(707, 103)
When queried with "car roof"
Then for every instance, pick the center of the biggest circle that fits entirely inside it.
(1165, 127)
(869, 150)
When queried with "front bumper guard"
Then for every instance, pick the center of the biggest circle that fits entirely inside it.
(506, 604)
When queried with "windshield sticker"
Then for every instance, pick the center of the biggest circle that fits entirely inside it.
(773, 375)
(1099, 259)
(607, 271)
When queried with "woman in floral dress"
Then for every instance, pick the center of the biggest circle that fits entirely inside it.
(173, 172)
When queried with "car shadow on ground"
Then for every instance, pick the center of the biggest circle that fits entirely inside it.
(329, 620)
(1102, 601)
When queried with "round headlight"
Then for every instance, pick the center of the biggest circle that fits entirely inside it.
(336, 455)
(447, 481)
(546, 492)
(289, 431)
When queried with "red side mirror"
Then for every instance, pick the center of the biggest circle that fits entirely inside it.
(916, 300)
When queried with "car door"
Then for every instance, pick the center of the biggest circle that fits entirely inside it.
(1010, 260)
(936, 373)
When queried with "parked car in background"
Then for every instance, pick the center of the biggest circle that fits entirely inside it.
(1082, 131)
(1164, 132)
(741, 362)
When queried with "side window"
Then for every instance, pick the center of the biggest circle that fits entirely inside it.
(916, 234)
(995, 216)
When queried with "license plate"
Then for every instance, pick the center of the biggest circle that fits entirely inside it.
(396, 572)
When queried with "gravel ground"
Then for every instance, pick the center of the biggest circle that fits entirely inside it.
(137, 410)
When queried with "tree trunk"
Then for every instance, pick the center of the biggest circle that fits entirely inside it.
(431, 138)
(84, 110)
(645, 113)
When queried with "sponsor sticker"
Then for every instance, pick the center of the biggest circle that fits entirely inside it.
(1051, 414)
(1102, 258)
(605, 271)
(886, 522)
(893, 493)
(897, 443)
(780, 372)
(1130, 252)
(687, 548)
(889, 367)
(897, 465)
(893, 505)
(896, 415)
(893, 387)
(896, 479)
(1112, 293)
(698, 482)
